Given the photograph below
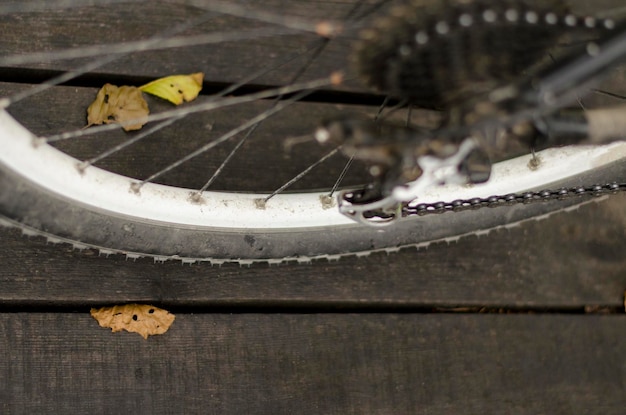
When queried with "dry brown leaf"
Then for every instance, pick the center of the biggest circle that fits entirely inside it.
(144, 319)
(118, 104)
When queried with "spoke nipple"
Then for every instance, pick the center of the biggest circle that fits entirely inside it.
(327, 29)
(336, 78)
(196, 197)
(81, 167)
(535, 161)
(328, 201)
(260, 203)
(38, 141)
(135, 187)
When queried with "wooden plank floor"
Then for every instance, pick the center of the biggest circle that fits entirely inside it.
(567, 262)
(527, 320)
(317, 364)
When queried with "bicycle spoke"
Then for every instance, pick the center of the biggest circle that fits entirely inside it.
(456, 65)
(168, 122)
(100, 62)
(580, 104)
(265, 70)
(342, 175)
(302, 174)
(609, 94)
(317, 50)
(393, 109)
(124, 48)
(263, 116)
(230, 155)
(82, 166)
(367, 12)
(334, 79)
(287, 25)
(326, 28)
(381, 108)
(35, 6)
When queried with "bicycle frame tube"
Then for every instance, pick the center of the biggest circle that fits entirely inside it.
(561, 83)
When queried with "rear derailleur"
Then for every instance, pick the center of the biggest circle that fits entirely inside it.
(404, 162)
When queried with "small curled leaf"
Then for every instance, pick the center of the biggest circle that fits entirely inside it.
(118, 104)
(176, 88)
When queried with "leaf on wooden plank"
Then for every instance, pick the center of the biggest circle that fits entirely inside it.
(144, 319)
(118, 104)
(176, 88)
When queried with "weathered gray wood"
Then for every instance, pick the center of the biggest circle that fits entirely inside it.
(298, 363)
(573, 260)
(63, 108)
(262, 164)
(570, 261)
(316, 363)
(221, 62)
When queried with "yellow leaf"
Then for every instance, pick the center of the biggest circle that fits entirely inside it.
(176, 88)
(118, 104)
(144, 319)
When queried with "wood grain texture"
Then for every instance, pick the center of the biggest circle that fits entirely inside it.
(316, 363)
(224, 61)
(570, 260)
(262, 163)
(356, 336)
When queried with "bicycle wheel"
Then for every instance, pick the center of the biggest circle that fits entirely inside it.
(111, 206)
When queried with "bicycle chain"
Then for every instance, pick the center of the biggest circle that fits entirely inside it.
(460, 205)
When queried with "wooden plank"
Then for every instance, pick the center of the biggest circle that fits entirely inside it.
(221, 62)
(63, 109)
(574, 260)
(226, 61)
(569, 261)
(316, 363)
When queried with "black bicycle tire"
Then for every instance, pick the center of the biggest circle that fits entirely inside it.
(34, 209)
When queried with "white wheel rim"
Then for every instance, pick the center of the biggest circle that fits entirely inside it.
(102, 190)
